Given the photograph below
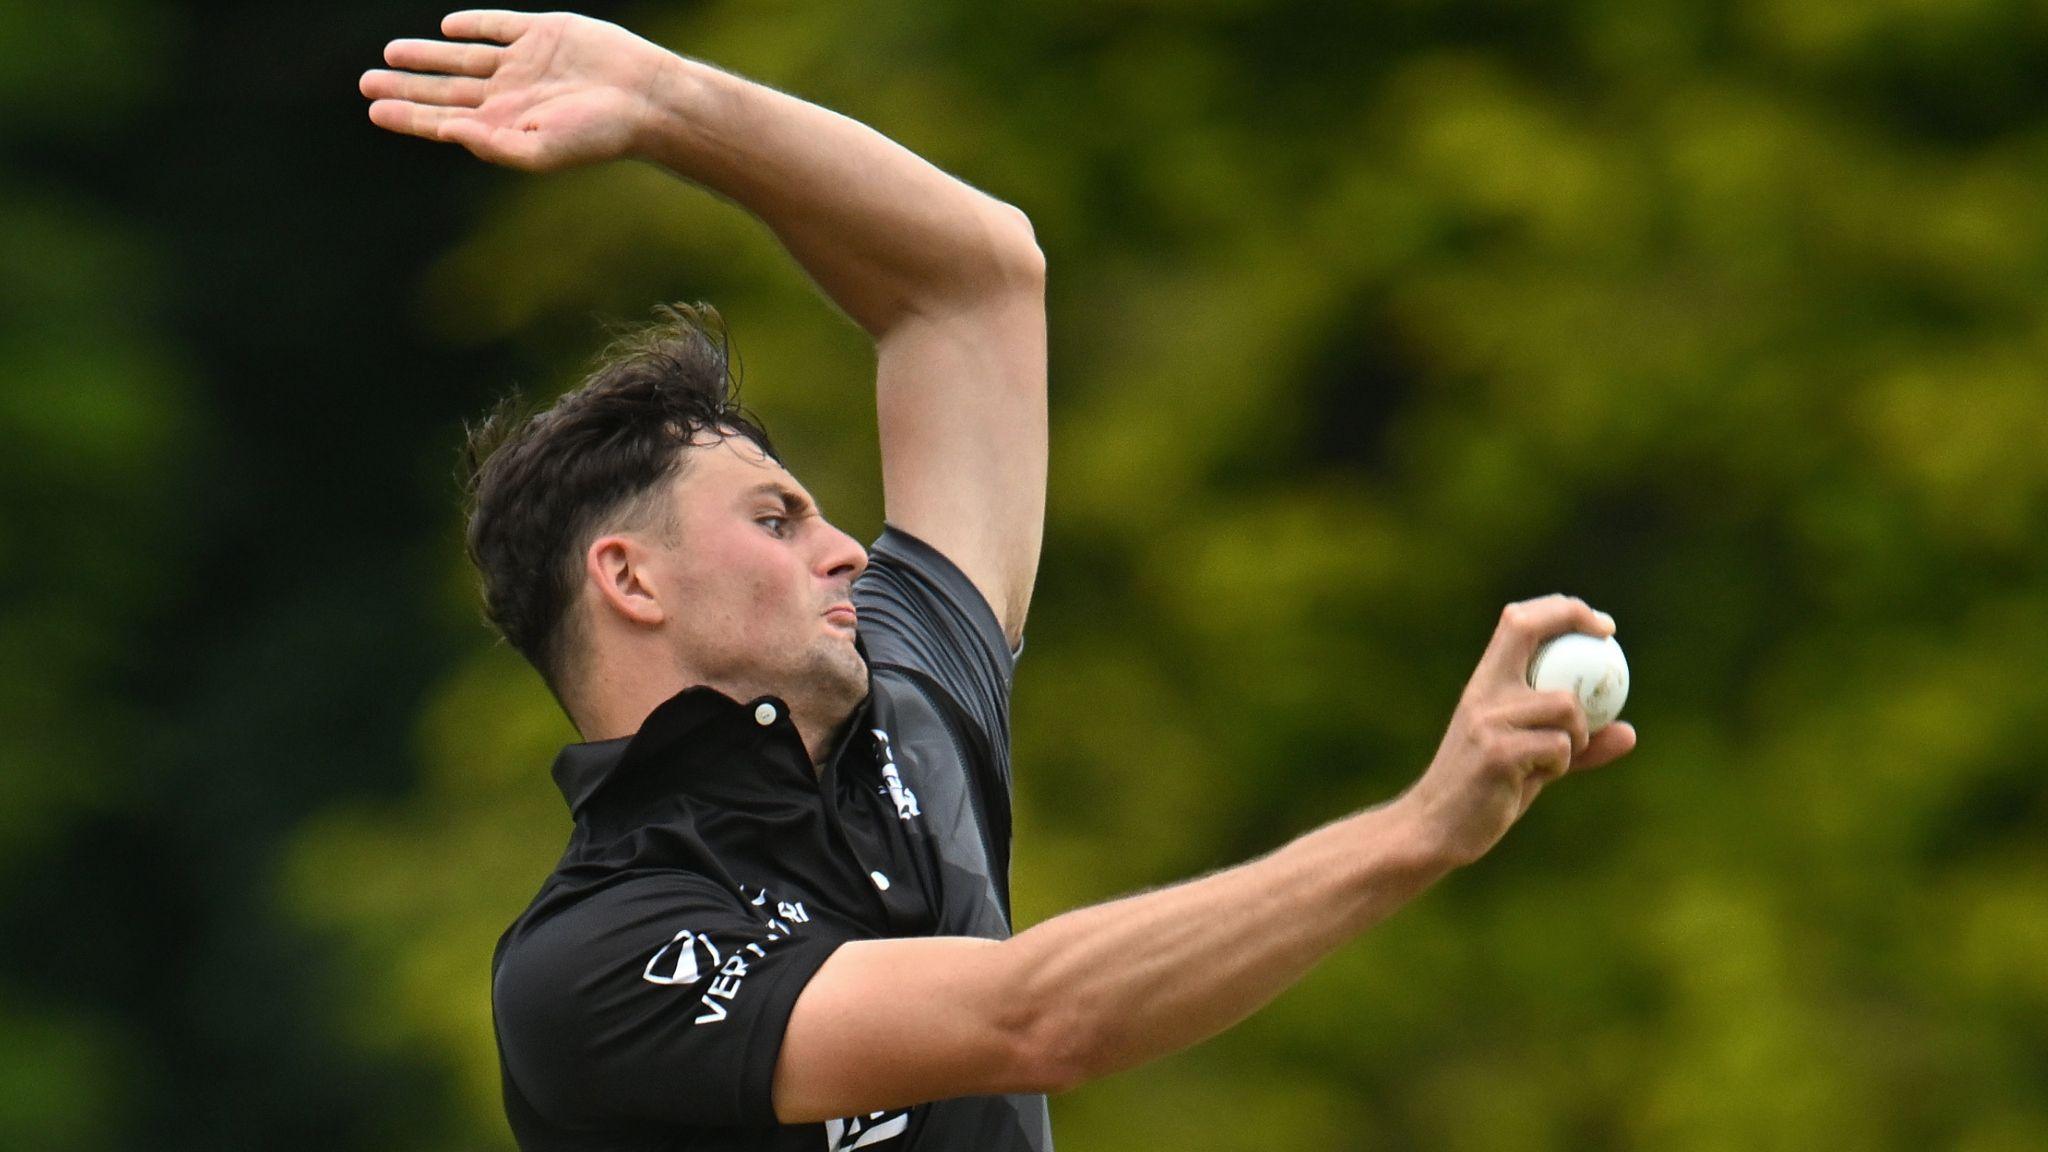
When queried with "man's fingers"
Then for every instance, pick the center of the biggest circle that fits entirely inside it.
(1547, 752)
(447, 91)
(486, 24)
(412, 119)
(1558, 711)
(478, 60)
(474, 135)
(1526, 624)
(1607, 745)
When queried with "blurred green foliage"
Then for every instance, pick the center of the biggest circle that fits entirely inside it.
(1366, 319)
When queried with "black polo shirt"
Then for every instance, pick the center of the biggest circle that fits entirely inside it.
(640, 1000)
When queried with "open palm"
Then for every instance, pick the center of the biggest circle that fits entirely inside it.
(532, 91)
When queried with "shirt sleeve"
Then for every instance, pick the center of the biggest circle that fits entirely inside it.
(660, 1001)
(920, 613)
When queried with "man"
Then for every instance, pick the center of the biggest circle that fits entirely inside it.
(782, 921)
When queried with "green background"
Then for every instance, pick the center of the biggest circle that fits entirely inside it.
(1366, 319)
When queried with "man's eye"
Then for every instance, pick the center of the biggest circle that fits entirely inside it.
(775, 524)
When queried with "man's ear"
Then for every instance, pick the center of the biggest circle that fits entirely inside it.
(621, 569)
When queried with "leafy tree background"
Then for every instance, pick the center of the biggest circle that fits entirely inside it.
(1366, 319)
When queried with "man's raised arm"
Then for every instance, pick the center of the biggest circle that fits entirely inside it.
(948, 281)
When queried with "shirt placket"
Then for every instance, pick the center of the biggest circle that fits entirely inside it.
(851, 790)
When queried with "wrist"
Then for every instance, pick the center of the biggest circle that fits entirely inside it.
(1403, 844)
(675, 110)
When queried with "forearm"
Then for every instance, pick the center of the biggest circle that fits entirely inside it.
(1118, 984)
(1094, 991)
(884, 233)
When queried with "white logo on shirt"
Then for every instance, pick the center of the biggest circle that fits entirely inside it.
(861, 1131)
(905, 799)
(681, 954)
(691, 956)
(727, 984)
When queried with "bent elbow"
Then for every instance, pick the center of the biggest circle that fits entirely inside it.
(1048, 1064)
(1019, 261)
(1052, 1050)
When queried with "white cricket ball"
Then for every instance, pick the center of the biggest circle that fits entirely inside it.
(1589, 667)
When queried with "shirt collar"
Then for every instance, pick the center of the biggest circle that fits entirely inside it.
(695, 740)
(691, 717)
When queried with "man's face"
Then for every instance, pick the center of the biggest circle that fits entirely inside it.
(758, 585)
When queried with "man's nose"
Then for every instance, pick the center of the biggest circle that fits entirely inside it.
(844, 557)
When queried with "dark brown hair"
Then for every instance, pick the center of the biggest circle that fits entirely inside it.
(542, 484)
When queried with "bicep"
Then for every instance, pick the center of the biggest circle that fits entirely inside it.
(893, 1023)
(961, 397)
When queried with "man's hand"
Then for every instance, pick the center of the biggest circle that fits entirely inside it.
(536, 92)
(1507, 740)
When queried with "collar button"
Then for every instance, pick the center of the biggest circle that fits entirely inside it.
(764, 714)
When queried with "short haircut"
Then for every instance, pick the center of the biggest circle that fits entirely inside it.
(541, 485)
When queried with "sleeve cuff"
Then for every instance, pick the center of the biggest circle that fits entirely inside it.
(764, 1042)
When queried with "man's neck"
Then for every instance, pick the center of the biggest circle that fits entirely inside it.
(819, 725)
(822, 743)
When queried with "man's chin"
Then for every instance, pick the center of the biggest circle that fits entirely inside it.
(840, 674)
